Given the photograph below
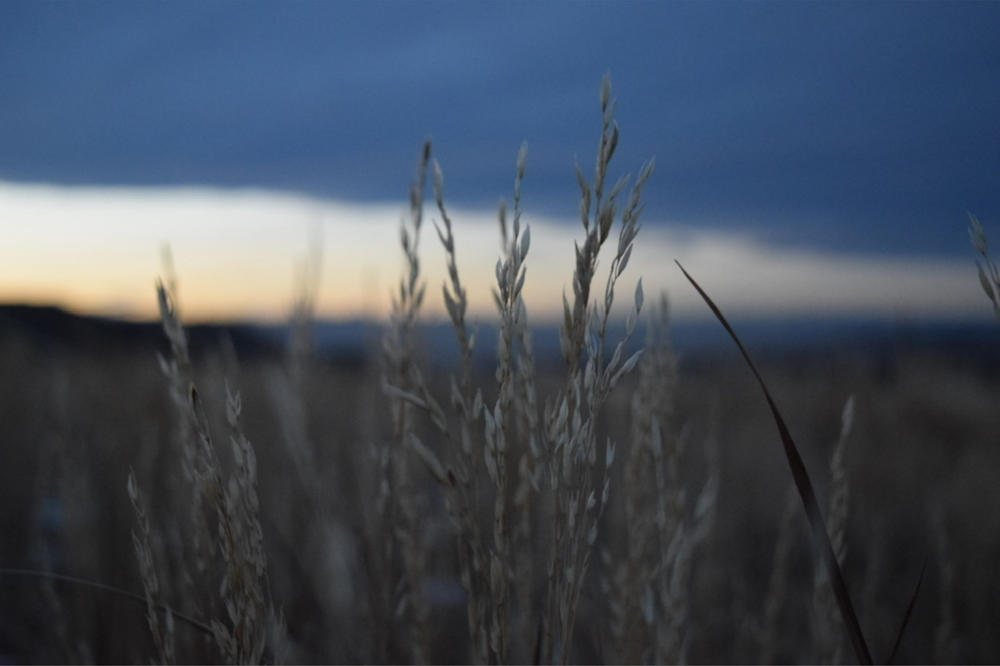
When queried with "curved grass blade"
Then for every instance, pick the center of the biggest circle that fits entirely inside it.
(806, 492)
(31, 573)
(906, 616)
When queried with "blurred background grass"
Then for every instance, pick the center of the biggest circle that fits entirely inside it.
(82, 400)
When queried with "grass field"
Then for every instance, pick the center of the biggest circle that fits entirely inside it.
(607, 507)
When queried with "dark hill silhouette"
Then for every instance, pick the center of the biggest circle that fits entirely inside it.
(51, 328)
(351, 345)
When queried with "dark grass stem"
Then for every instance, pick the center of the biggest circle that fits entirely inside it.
(806, 492)
(124, 594)
(906, 616)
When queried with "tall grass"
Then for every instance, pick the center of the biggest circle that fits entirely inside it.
(989, 274)
(621, 507)
(561, 491)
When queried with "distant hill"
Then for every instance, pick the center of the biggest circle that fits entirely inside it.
(352, 343)
(52, 328)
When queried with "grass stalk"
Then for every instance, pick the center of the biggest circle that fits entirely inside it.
(402, 510)
(806, 493)
(572, 423)
(463, 484)
(989, 272)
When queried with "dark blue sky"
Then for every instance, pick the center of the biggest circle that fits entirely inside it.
(862, 127)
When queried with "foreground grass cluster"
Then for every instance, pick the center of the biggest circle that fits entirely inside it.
(607, 510)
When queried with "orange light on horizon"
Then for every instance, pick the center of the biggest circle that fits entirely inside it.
(236, 255)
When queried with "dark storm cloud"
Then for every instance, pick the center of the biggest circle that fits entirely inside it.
(867, 127)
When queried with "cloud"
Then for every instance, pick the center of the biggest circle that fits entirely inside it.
(758, 112)
(749, 279)
(97, 250)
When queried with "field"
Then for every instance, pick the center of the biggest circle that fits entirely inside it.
(921, 461)
(194, 496)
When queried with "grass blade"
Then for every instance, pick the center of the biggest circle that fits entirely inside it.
(906, 616)
(806, 492)
(125, 594)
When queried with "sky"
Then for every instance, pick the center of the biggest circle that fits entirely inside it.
(811, 158)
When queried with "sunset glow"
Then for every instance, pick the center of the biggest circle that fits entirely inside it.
(237, 253)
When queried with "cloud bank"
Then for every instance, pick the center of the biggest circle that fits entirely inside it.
(236, 253)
